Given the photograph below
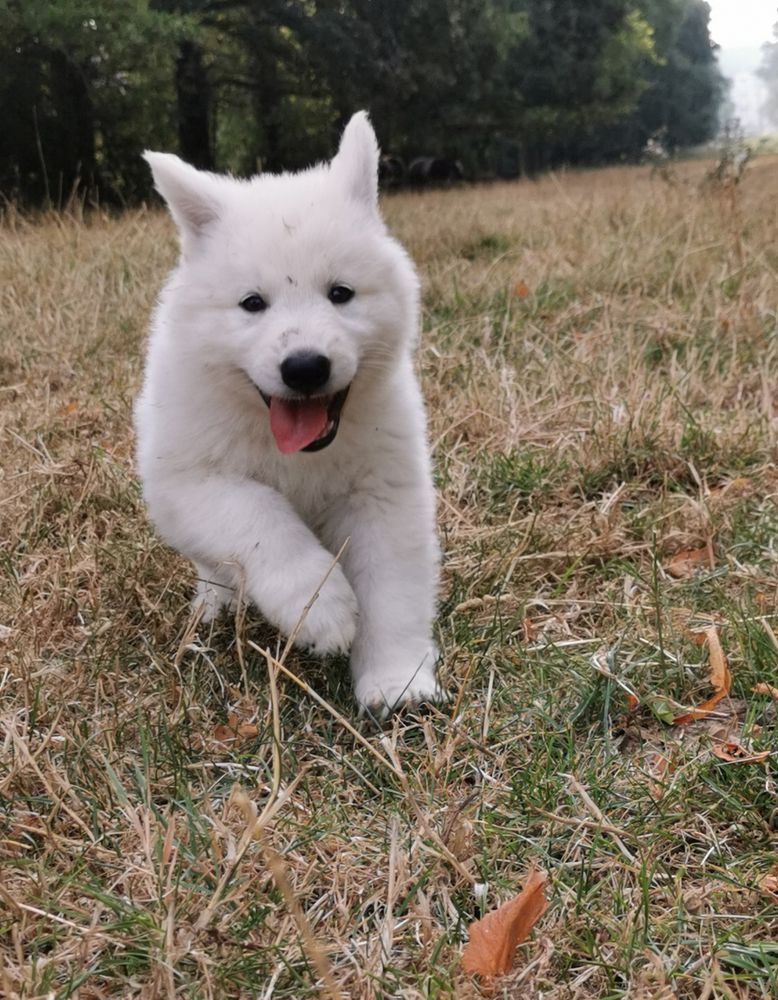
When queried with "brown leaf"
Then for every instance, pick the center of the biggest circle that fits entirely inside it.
(692, 626)
(738, 485)
(659, 768)
(720, 679)
(769, 883)
(762, 688)
(736, 753)
(235, 731)
(685, 564)
(494, 939)
(701, 711)
(457, 829)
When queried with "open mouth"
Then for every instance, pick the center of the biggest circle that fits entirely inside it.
(304, 424)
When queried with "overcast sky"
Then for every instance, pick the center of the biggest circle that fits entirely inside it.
(741, 23)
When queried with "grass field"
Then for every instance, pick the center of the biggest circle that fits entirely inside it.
(599, 356)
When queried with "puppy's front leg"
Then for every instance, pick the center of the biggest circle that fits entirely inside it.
(252, 533)
(392, 564)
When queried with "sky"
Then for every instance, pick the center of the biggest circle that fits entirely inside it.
(742, 23)
(741, 27)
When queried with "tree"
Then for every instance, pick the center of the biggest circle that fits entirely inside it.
(686, 87)
(577, 70)
(683, 86)
(80, 88)
(504, 85)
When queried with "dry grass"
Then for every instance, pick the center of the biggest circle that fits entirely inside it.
(600, 363)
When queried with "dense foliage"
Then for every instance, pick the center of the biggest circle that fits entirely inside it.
(505, 86)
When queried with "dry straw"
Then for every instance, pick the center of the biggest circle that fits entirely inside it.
(599, 361)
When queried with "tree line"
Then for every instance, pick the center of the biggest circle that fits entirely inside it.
(506, 87)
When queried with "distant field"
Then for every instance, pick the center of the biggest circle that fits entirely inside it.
(599, 355)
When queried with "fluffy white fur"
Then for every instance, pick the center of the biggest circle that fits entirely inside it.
(216, 485)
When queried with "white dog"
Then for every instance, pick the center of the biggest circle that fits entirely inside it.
(280, 415)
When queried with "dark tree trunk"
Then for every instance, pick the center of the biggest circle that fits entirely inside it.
(193, 94)
(74, 162)
(272, 159)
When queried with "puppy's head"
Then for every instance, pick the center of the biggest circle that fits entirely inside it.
(291, 279)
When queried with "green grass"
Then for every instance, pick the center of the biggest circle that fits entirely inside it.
(619, 412)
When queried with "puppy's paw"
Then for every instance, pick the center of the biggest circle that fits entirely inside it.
(331, 622)
(209, 599)
(379, 693)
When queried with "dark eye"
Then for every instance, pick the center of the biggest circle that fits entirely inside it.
(253, 303)
(339, 294)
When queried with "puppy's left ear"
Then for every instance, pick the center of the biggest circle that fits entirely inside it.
(356, 161)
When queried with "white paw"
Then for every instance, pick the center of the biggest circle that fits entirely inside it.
(331, 622)
(381, 692)
(209, 599)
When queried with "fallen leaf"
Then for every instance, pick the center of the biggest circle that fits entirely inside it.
(762, 688)
(235, 730)
(720, 679)
(690, 625)
(694, 900)
(519, 290)
(740, 484)
(769, 883)
(701, 711)
(494, 939)
(457, 832)
(659, 768)
(685, 564)
(736, 753)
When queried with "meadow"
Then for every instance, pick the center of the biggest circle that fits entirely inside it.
(180, 818)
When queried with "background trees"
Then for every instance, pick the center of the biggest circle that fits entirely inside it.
(506, 86)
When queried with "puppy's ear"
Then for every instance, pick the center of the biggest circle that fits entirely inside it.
(191, 194)
(356, 161)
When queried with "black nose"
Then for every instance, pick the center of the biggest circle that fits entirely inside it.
(305, 371)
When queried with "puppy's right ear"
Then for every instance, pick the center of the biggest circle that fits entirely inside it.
(356, 161)
(191, 194)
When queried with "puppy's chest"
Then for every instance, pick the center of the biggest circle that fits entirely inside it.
(315, 487)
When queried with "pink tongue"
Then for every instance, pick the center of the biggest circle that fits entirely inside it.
(297, 422)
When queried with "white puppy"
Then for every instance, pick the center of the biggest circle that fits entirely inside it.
(280, 414)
